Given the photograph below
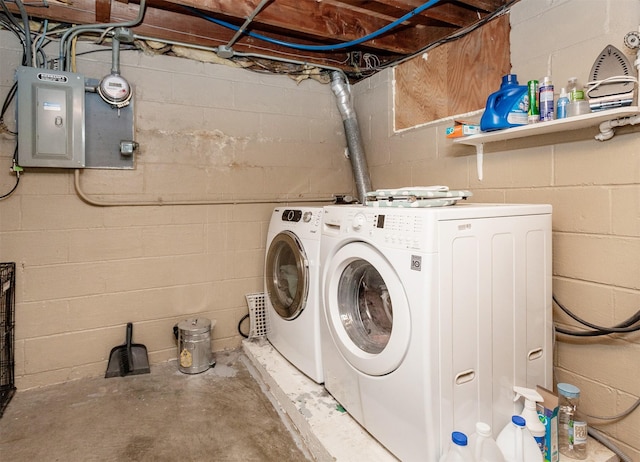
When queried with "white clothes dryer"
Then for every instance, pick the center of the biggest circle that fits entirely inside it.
(432, 315)
(291, 285)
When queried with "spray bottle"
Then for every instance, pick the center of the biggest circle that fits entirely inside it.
(530, 414)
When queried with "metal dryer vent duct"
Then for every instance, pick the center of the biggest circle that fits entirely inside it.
(352, 133)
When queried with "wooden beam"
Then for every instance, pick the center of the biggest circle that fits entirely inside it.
(322, 21)
(103, 11)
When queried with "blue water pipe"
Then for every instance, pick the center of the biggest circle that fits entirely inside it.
(337, 46)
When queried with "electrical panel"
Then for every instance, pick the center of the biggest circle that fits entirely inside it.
(50, 118)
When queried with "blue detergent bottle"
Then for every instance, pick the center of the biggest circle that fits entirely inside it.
(508, 107)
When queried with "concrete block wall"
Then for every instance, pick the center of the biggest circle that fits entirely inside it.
(594, 188)
(206, 132)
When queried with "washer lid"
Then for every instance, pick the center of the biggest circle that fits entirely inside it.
(287, 275)
(367, 309)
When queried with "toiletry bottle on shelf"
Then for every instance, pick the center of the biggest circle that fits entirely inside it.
(563, 100)
(534, 107)
(546, 100)
(572, 87)
(484, 447)
(517, 444)
(572, 433)
(459, 450)
(578, 105)
(530, 414)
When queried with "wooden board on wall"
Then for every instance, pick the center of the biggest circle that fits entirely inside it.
(454, 78)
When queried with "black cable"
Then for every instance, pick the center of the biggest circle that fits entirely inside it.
(627, 326)
(9, 15)
(11, 27)
(27, 30)
(246, 316)
(14, 26)
(15, 186)
(5, 105)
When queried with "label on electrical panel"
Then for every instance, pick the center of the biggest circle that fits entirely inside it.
(52, 77)
(51, 106)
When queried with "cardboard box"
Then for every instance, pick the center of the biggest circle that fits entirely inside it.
(548, 413)
(459, 130)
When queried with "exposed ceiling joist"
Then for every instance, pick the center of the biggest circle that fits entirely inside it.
(307, 23)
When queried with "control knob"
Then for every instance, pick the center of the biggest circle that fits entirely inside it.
(358, 221)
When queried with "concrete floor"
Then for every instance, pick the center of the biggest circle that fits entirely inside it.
(222, 414)
(253, 406)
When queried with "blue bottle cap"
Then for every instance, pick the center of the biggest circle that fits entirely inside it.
(459, 438)
(510, 79)
(519, 421)
(568, 390)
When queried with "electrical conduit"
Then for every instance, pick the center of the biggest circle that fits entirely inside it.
(74, 31)
(100, 203)
(352, 133)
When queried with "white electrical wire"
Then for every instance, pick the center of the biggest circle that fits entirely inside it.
(613, 79)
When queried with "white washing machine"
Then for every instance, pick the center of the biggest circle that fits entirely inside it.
(432, 315)
(292, 277)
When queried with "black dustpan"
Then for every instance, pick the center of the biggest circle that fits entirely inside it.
(128, 359)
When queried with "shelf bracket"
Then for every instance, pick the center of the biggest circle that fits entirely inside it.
(480, 159)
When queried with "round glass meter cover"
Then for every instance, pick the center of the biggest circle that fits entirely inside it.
(115, 87)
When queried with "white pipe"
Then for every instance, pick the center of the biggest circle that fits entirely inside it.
(606, 128)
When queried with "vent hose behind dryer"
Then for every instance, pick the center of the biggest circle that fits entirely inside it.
(352, 132)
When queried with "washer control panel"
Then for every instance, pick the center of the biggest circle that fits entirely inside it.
(309, 219)
(291, 215)
(399, 230)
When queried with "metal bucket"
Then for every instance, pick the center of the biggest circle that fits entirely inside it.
(194, 345)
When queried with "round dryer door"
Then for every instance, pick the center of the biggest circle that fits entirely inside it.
(367, 309)
(287, 275)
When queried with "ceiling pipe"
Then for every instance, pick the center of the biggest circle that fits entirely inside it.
(225, 51)
(352, 132)
(240, 54)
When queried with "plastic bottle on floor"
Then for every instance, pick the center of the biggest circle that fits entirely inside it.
(484, 447)
(530, 414)
(517, 444)
(572, 433)
(459, 450)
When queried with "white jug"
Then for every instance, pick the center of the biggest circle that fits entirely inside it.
(516, 442)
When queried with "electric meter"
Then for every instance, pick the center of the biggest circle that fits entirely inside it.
(115, 90)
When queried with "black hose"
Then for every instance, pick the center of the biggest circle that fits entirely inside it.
(627, 326)
(246, 316)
